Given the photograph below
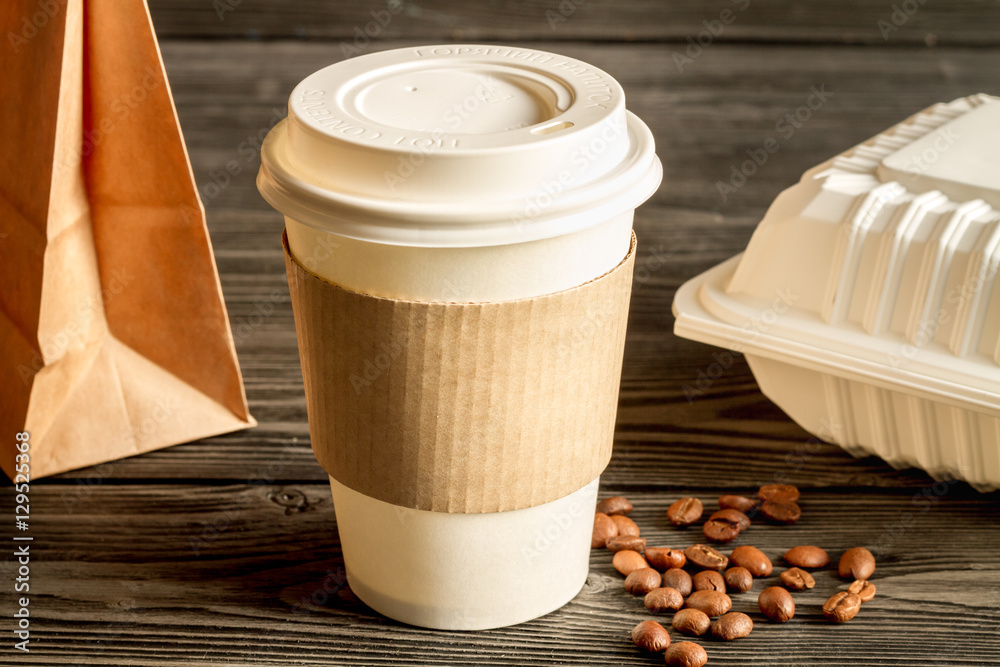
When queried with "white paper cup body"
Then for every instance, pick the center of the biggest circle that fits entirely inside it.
(489, 273)
(465, 571)
(467, 221)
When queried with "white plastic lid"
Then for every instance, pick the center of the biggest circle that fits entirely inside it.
(458, 145)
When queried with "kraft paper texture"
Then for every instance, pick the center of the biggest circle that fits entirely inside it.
(114, 335)
(462, 407)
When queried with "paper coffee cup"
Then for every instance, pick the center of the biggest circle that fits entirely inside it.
(458, 224)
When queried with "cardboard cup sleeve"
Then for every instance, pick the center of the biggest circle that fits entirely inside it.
(462, 407)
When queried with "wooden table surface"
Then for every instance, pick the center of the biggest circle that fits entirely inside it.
(217, 552)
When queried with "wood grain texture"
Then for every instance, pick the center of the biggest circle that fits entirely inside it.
(217, 552)
(965, 22)
(211, 575)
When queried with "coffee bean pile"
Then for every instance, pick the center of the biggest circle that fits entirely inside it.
(694, 584)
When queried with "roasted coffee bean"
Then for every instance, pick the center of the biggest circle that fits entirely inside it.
(712, 603)
(738, 579)
(616, 505)
(752, 559)
(651, 636)
(679, 579)
(706, 558)
(781, 511)
(663, 558)
(734, 625)
(685, 511)
(626, 526)
(628, 561)
(741, 503)
(807, 557)
(857, 563)
(784, 492)
(663, 599)
(641, 581)
(686, 654)
(717, 530)
(729, 514)
(604, 530)
(797, 579)
(708, 580)
(841, 607)
(725, 525)
(623, 542)
(692, 622)
(863, 588)
(776, 603)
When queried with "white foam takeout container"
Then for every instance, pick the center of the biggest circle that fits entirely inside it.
(867, 302)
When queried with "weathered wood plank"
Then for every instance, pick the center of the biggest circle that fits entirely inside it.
(117, 581)
(352, 25)
(727, 101)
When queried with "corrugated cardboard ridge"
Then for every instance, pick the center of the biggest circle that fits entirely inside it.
(462, 407)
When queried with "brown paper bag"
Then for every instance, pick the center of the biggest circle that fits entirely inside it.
(114, 338)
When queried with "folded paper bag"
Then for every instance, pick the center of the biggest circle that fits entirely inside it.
(114, 335)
